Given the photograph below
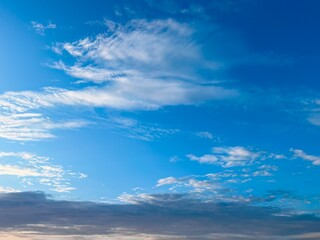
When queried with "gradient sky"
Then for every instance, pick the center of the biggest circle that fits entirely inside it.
(160, 106)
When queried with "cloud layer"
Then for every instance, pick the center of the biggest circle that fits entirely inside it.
(168, 216)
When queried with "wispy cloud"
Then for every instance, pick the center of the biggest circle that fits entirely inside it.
(7, 190)
(298, 153)
(148, 64)
(315, 120)
(134, 129)
(36, 170)
(32, 126)
(41, 28)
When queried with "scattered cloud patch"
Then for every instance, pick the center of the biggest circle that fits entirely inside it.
(35, 169)
(134, 129)
(42, 28)
(174, 159)
(205, 134)
(21, 118)
(227, 156)
(194, 184)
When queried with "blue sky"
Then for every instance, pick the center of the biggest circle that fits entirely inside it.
(135, 104)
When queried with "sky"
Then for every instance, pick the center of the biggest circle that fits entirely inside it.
(159, 119)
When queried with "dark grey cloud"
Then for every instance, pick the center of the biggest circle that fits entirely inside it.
(176, 215)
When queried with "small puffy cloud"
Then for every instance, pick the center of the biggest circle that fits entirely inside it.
(235, 153)
(298, 153)
(41, 28)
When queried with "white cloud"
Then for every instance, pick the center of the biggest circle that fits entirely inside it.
(301, 154)
(148, 64)
(37, 169)
(315, 118)
(269, 168)
(204, 134)
(31, 126)
(17, 171)
(208, 158)
(135, 198)
(134, 129)
(197, 184)
(166, 181)
(8, 190)
(41, 28)
(262, 173)
(227, 156)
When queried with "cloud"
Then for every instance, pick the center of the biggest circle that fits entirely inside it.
(204, 134)
(32, 126)
(7, 190)
(197, 184)
(311, 109)
(41, 28)
(265, 171)
(134, 129)
(162, 216)
(147, 64)
(301, 154)
(227, 156)
(314, 119)
(36, 170)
